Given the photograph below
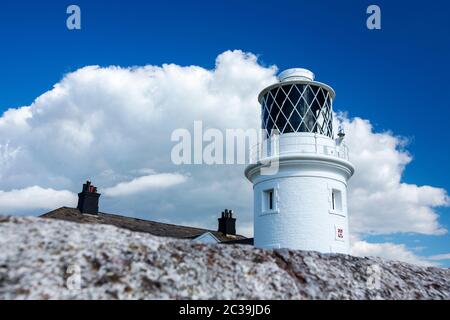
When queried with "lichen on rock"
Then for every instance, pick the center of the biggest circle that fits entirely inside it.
(51, 259)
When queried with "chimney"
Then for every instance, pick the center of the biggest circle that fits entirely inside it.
(227, 224)
(88, 199)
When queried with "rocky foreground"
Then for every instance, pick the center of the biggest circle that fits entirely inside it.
(50, 259)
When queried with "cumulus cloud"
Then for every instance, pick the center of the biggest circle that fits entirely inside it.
(140, 184)
(390, 251)
(35, 197)
(379, 203)
(106, 124)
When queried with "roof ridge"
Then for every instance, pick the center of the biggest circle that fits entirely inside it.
(137, 224)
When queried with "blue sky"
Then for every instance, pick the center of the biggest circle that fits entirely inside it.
(397, 77)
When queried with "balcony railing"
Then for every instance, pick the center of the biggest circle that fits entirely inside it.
(269, 149)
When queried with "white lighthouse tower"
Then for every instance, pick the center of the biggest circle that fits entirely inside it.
(302, 203)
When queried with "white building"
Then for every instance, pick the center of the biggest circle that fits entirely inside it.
(303, 205)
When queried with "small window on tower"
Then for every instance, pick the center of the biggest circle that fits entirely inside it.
(268, 201)
(336, 201)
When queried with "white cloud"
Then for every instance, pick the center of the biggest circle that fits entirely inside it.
(35, 197)
(154, 181)
(379, 203)
(390, 251)
(106, 124)
(440, 257)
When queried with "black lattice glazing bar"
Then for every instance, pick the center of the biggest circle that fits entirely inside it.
(297, 108)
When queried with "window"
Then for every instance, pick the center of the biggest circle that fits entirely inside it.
(298, 108)
(336, 201)
(333, 201)
(269, 204)
(270, 200)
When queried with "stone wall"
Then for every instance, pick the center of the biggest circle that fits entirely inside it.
(50, 259)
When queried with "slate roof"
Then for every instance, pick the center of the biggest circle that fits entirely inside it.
(138, 225)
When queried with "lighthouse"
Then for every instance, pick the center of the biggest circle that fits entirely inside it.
(302, 203)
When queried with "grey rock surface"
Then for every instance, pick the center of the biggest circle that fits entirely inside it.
(51, 259)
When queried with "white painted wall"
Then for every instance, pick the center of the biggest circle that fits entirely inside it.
(303, 217)
(207, 237)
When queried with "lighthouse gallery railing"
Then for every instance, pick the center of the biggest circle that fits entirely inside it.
(267, 149)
